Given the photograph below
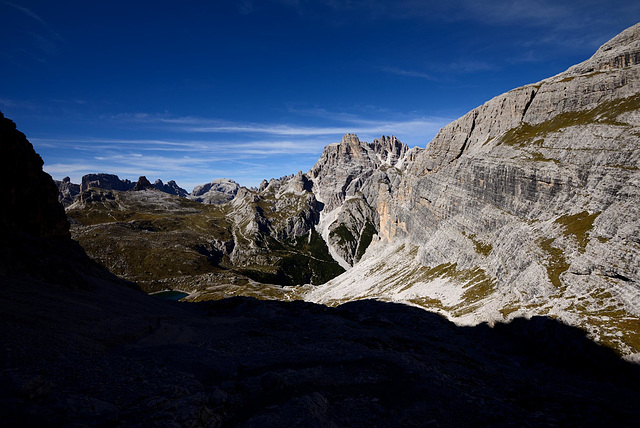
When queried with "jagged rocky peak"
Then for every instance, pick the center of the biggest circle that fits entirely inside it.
(142, 184)
(352, 149)
(349, 139)
(389, 148)
(300, 183)
(105, 182)
(171, 188)
(218, 191)
(67, 191)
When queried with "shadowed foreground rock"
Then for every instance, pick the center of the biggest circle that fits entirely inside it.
(114, 357)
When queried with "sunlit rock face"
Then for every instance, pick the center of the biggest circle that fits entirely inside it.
(67, 191)
(349, 179)
(105, 181)
(526, 205)
(219, 191)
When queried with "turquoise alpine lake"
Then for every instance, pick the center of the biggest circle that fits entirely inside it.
(170, 295)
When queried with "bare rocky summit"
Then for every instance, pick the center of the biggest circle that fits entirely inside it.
(219, 191)
(105, 181)
(171, 187)
(67, 191)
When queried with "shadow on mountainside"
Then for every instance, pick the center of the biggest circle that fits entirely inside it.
(115, 357)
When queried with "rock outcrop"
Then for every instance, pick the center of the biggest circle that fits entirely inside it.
(171, 187)
(348, 180)
(67, 191)
(105, 181)
(219, 191)
(142, 184)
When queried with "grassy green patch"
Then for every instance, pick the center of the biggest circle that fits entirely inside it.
(605, 113)
(301, 260)
(365, 239)
(480, 247)
(578, 226)
(625, 167)
(488, 141)
(476, 283)
(556, 262)
(426, 302)
(508, 310)
(343, 233)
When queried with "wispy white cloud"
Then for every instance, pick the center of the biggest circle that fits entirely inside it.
(31, 14)
(200, 147)
(408, 73)
(262, 150)
(418, 128)
(9, 103)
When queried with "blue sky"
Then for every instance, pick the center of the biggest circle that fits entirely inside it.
(253, 89)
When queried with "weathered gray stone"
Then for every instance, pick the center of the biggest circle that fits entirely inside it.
(219, 191)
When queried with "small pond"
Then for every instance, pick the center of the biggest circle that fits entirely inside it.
(170, 295)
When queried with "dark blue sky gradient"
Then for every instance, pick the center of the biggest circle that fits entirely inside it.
(195, 90)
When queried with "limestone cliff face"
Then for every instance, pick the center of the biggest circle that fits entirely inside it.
(349, 179)
(67, 191)
(218, 191)
(528, 204)
(105, 181)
